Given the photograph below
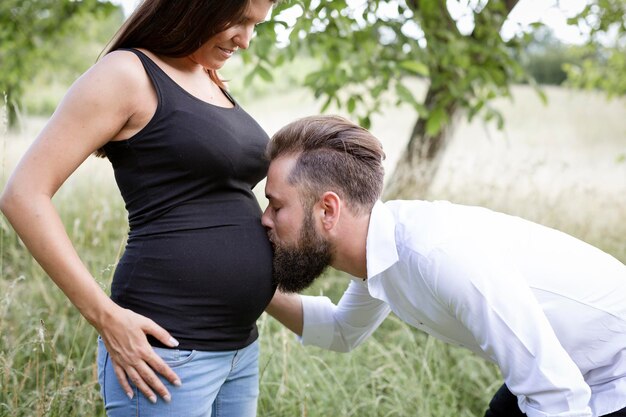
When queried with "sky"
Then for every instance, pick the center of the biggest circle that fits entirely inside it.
(552, 12)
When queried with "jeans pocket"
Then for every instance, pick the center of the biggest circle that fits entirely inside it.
(175, 357)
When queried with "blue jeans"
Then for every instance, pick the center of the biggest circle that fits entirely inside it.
(214, 384)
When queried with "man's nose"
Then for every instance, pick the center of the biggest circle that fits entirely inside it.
(265, 219)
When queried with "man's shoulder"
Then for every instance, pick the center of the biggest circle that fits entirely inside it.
(420, 224)
(415, 212)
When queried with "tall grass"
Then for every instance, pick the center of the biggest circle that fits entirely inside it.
(46, 349)
(398, 372)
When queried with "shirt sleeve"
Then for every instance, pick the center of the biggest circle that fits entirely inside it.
(492, 300)
(344, 326)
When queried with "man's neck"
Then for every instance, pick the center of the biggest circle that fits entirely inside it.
(350, 246)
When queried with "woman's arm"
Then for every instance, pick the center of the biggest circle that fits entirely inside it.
(100, 105)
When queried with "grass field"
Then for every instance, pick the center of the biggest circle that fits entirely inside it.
(561, 165)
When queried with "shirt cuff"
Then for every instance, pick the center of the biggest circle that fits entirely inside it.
(318, 321)
(533, 412)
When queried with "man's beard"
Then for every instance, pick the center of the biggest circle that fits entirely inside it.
(297, 266)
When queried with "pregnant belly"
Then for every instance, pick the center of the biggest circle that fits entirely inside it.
(217, 277)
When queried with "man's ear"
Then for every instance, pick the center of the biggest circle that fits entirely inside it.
(330, 209)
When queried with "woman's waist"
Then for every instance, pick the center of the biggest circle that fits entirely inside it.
(204, 328)
(200, 311)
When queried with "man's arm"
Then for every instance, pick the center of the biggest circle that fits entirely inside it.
(287, 309)
(321, 323)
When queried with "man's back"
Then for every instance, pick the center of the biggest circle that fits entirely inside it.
(474, 256)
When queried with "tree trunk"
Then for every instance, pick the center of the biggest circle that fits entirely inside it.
(419, 163)
(11, 109)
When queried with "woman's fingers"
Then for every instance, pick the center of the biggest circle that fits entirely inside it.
(143, 377)
(123, 379)
(148, 382)
(158, 365)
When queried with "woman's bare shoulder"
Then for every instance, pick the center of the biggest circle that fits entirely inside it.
(121, 66)
(120, 79)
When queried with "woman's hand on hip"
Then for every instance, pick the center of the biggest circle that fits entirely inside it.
(133, 358)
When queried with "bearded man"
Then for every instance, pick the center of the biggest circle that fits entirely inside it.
(548, 309)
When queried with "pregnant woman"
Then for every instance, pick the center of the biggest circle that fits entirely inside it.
(178, 335)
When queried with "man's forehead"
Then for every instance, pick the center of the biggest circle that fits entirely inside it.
(282, 165)
(277, 175)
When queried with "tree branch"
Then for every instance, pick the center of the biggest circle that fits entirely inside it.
(433, 9)
(510, 4)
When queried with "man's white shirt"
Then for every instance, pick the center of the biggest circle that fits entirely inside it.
(549, 309)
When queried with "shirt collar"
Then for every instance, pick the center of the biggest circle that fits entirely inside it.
(381, 251)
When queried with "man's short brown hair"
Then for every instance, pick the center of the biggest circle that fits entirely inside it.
(333, 154)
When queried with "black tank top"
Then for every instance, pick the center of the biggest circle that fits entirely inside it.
(197, 261)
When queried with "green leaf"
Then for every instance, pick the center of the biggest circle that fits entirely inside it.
(246, 57)
(436, 121)
(280, 60)
(312, 77)
(247, 81)
(264, 73)
(327, 104)
(365, 122)
(415, 67)
(405, 94)
(351, 104)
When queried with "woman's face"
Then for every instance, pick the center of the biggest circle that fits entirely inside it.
(221, 46)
